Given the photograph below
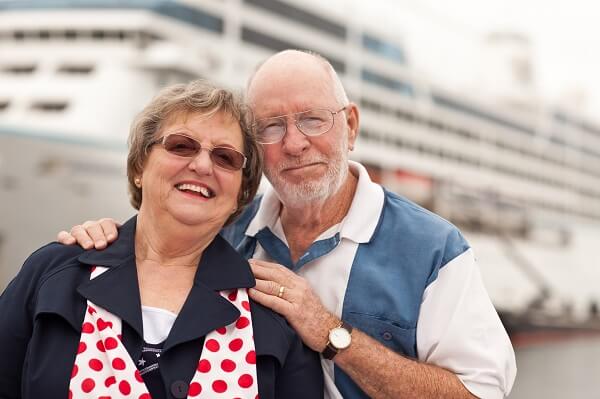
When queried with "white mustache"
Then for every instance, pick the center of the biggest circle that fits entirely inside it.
(295, 163)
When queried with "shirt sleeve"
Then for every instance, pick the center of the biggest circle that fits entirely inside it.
(458, 329)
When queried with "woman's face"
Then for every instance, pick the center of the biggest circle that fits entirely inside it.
(193, 190)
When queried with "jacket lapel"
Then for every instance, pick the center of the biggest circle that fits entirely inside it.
(117, 289)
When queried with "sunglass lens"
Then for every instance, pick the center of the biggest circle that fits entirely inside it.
(227, 158)
(181, 145)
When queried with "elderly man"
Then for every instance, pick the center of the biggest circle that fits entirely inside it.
(388, 292)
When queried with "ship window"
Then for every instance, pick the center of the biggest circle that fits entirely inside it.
(455, 105)
(74, 69)
(258, 38)
(191, 15)
(49, 106)
(383, 48)
(389, 83)
(70, 34)
(4, 105)
(301, 16)
(97, 34)
(24, 69)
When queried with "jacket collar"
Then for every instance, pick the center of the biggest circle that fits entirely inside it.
(117, 290)
(220, 268)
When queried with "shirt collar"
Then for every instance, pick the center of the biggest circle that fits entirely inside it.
(358, 225)
(220, 268)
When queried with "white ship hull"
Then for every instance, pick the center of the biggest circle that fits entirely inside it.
(49, 184)
(523, 183)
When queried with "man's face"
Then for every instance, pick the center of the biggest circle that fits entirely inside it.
(301, 169)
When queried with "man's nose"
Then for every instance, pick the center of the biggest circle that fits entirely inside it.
(294, 142)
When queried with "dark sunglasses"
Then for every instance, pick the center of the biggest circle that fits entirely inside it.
(185, 146)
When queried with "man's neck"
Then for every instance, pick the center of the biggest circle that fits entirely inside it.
(303, 224)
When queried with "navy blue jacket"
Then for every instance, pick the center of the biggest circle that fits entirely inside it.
(42, 310)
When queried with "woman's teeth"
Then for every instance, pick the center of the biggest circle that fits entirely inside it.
(202, 190)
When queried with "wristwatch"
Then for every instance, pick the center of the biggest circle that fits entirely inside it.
(340, 338)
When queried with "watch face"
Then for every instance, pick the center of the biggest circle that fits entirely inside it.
(339, 338)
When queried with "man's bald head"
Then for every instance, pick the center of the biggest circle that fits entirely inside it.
(289, 63)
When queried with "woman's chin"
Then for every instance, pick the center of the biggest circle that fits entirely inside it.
(194, 217)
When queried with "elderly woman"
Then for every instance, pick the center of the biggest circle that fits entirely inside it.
(163, 312)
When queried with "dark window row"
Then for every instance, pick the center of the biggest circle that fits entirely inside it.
(25, 69)
(255, 37)
(387, 82)
(383, 48)
(470, 110)
(50, 106)
(71, 34)
(569, 120)
(472, 161)
(181, 12)
(455, 105)
(462, 132)
(67, 69)
(302, 16)
(73, 69)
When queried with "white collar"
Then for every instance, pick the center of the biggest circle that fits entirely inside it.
(358, 225)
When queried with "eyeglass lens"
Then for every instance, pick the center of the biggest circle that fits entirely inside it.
(185, 146)
(311, 123)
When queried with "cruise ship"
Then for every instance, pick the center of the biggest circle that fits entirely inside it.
(521, 180)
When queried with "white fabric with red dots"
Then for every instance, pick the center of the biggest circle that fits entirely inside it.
(104, 369)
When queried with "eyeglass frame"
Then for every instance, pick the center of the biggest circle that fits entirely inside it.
(295, 114)
(161, 140)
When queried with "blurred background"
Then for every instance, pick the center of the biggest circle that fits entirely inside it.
(486, 112)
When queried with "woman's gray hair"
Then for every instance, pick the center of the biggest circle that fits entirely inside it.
(205, 98)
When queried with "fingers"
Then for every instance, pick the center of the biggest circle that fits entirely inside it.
(65, 238)
(109, 227)
(272, 271)
(279, 305)
(274, 289)
(268, 265)
(89, 235)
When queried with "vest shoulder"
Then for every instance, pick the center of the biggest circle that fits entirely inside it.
(405, 217)
(399, 206)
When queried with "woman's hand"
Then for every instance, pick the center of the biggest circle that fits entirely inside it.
(91, 234)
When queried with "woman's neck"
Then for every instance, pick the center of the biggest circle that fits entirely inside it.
(170, 243)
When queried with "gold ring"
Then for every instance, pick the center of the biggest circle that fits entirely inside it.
(281, 291)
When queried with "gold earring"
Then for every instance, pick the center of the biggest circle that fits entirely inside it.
(138, 182)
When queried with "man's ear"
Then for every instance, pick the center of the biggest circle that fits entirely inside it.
(352, 120)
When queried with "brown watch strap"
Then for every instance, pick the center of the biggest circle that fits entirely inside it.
(330, 351)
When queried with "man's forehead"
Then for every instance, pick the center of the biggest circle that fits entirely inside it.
(284, 106)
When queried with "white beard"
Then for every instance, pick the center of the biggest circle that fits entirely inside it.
(310, 190)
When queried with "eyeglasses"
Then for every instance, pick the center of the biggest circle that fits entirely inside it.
(185, 146)
(311, 123)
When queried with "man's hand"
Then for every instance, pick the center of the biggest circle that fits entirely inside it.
(91, 234)
(297, 302)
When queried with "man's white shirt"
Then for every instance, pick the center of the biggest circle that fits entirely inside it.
(447, 333)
